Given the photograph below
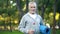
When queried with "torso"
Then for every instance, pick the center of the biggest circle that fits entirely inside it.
(33, 23)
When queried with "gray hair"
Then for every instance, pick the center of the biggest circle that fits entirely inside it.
(35, 4)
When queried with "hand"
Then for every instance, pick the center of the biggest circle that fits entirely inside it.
(30, 32)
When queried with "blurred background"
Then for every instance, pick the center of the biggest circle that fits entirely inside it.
(11, 12)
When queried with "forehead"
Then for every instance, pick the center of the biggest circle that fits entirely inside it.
(32, 4)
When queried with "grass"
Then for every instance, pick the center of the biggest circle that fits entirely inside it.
(8, 32)
(57, 31)
(17, 32)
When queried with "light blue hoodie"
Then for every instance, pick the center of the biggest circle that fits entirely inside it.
(27, 23)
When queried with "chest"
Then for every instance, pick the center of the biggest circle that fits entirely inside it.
(32, 21)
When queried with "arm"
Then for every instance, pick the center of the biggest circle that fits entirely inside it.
(22, 25)
(41, 21)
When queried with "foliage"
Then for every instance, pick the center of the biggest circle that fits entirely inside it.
(9, 12)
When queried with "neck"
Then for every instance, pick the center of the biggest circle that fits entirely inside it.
(31, 13)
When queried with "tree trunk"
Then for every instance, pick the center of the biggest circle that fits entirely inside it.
(54, 20)
(27, 6)
(19, 8)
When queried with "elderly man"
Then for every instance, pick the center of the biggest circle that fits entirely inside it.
(31, 21)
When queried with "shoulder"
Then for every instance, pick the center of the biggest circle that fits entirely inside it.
(39, 16)
(25, 15)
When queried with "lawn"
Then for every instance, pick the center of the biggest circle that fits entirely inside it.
(17, 32)
(8, 32)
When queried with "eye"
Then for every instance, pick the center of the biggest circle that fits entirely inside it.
(32, 7)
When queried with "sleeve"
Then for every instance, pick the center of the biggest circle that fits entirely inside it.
(41, 21)
(22, 26)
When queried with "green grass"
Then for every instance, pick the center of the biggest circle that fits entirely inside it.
(17, 32)
(8, 32)
(57, 31)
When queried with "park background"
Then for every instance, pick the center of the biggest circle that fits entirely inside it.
(11, 12)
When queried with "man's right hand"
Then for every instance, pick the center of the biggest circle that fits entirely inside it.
(30, 32)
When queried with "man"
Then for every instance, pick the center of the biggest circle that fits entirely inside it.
(31, 21)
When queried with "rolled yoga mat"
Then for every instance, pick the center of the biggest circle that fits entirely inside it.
(44, 29)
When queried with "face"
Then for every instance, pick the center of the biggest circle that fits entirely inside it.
(32, 8)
